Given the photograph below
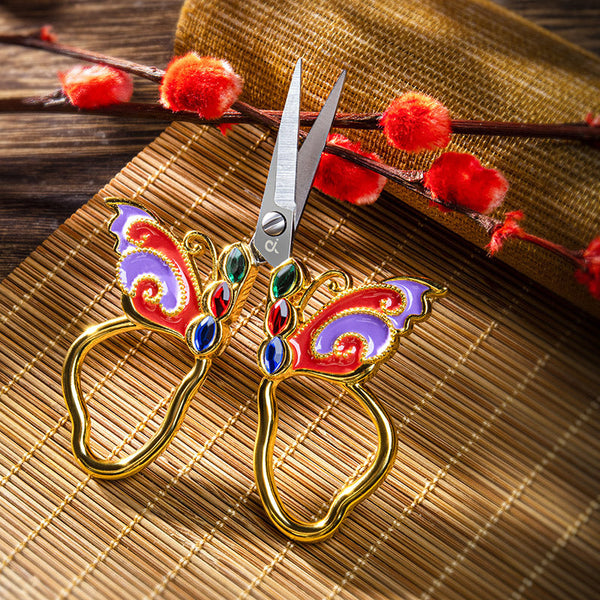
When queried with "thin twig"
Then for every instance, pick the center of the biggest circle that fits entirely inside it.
(33, 40)
(245, 113)
(57, 103)
(565, 131)
(574, 256)
(570, 131)
(145, 110)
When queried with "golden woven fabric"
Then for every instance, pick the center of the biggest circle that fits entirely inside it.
(478, 59)
(494, 493)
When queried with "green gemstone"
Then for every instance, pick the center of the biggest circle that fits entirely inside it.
(285, 280)
(236, 266)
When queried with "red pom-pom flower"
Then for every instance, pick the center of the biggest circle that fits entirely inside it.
(589, 273)
(416, 122)
(96, 85)
(344, 180)
(201, 84)
(47, 35)
(460, 179)
(509, 229)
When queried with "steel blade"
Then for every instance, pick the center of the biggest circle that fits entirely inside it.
(310, 152)
(276, 221)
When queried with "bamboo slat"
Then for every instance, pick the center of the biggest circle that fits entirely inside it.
(495, 489)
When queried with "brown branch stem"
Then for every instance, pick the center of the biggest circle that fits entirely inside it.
(564, 131)
(409, 179)
(573, 256)
(245, 113)
(33, 40)
(143, 110)
(370, 121)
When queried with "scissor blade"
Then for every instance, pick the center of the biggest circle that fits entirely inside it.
(286, 146)
(280, 189)
(310, 152)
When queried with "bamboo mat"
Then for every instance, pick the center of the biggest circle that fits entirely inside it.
(495, 490)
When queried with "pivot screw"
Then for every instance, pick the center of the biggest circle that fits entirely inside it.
(273, 223)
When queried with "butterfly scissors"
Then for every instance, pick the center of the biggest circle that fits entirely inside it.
(344, 342)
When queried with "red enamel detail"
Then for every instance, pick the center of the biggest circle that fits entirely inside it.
(279, 317)
(220, 300)
(349, 347)
(147, 235)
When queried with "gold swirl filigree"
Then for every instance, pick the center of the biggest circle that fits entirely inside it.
(196, 244)
(333, 276)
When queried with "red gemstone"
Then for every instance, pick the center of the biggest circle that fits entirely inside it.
(279, 317)
(219, 303)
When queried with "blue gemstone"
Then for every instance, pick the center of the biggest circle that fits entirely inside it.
(205, 334)
(274, 355)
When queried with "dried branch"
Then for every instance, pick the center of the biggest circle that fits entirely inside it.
(245, 113)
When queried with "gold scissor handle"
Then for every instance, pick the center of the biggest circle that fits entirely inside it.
(344, 342)
(71, 382)
(347, 496)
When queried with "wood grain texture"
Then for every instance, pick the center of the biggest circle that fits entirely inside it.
(578, 22)
(50, 165)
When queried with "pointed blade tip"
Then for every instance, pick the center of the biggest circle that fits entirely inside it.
(297, 69)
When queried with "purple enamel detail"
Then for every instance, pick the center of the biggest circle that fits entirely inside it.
(128, 214)
(137, 265)
(413, 291)
(375, 330)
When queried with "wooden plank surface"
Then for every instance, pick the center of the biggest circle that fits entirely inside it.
(50, 165)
